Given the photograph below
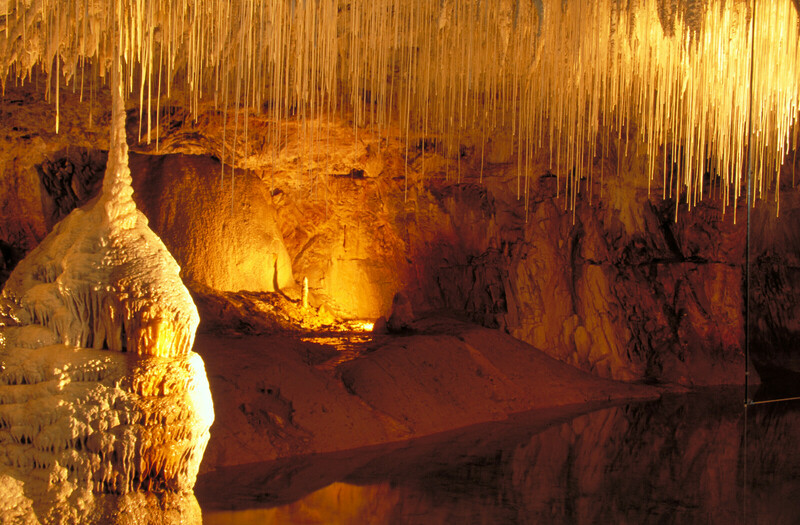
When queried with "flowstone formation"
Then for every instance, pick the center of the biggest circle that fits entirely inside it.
(100, 393)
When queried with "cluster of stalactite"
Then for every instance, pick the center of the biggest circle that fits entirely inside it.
(581, 80)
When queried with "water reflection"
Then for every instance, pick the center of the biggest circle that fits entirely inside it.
(682, 459)
(346, 345)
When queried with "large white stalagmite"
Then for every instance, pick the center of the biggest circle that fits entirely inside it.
(102, 278)
(100, 392)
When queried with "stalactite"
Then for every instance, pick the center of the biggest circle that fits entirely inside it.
(558, 74)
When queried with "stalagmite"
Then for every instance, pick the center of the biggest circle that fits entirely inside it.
(99, 390)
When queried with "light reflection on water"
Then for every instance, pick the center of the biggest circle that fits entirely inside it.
(677, 460)
(337, 503)
(347, 346)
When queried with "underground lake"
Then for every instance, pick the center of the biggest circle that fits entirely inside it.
(685, 458)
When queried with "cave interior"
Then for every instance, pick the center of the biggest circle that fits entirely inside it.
(395, 218)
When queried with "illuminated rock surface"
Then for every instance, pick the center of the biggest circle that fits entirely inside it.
(225, 238)
(193, 213)
(623, 292)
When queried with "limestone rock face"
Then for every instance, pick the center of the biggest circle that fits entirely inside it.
(345, 243)
(618, 288)
(402, 314)
(28, 143)
(775, 283)
(225, 238)
(69, 179)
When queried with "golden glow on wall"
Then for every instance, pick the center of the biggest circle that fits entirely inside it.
(579, 80)
(363, 326)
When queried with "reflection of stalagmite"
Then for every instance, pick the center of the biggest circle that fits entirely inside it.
(99, 389)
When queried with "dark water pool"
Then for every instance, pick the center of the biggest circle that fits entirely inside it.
(695, 458)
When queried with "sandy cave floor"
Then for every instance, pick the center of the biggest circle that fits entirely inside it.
(285, 395)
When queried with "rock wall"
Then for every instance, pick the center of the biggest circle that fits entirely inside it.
(775, 283)
(344, 239)
(198, 216)
(28, 141)
(225, 237)
(618, 287)
(622, 292)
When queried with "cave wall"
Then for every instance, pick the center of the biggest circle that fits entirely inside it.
(28, 139)
(196, 214)
(617, 287)
(223, 237)
(775, 281)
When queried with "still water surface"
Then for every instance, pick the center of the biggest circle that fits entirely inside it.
(694, 458)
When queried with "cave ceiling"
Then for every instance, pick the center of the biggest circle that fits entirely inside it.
(688, 86)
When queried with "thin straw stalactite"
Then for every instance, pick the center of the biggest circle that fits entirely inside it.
(570, 79)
